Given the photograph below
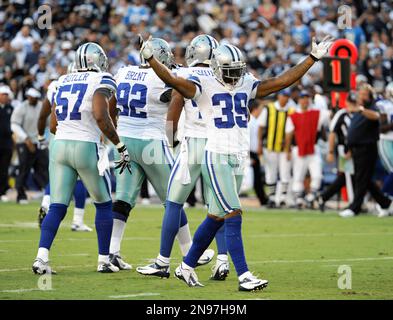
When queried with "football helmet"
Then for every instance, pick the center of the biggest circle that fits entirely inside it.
(200, 50)
(91, 57)
(228, 65)
(161, 51)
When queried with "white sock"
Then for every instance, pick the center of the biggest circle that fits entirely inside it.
(117, 235)
(222, 257)
(45, 202)
(184, 238)
(245, 275)
(186, 266)
(103, 259)
(78, 216)
(162, 261)
(43, 254)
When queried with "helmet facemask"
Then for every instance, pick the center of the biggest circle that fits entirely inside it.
(230, 76)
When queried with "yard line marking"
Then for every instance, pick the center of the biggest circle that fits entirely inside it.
(322, 260)
(33, 225)
(56, 267)
(72, 255)
(143, 294)
(23, 290)
(78, 239)
(290, 235)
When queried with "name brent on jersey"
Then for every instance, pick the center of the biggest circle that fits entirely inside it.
(142, 114)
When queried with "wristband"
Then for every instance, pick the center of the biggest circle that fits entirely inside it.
(119, 145)
(40, 137)
(314, 58)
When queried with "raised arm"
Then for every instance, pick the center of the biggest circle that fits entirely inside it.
(174, 111)
(185, 87)
(292, 75)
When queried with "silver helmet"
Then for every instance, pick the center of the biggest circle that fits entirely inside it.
(200, 50)
(389, 91)
(228, 65)
(71, 67)
(91, 57)
(162, 52)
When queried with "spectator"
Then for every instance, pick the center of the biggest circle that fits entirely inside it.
(255, 111)
(304, 126)
(32, 57)
(271, 145)
(363, 134)
(41, 72)
(24, 124)
(6, 142)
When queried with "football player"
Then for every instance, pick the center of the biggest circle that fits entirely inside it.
(187, 168)
(143, 100)
(223, 105)
(81, 116)
(385, 144)
(80, 192)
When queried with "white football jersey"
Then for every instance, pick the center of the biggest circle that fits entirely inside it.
(386, 107)
(142, 114)
(194, 125)
(74, 105)
(50, 93)
(225, 112)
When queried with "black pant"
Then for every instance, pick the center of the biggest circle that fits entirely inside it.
(365, 158)
(258, 185)
(37, 160)
(144, 190)
(5, 160)
(336, 186)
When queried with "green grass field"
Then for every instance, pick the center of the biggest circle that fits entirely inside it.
(298, 252)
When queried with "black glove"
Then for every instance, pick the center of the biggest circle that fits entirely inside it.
(124, 161)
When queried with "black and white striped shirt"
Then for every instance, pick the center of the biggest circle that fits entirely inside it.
(339, 125)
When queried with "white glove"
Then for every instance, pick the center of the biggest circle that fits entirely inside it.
(146, 50)
(124, 161)
(322, 48)
(42, 143)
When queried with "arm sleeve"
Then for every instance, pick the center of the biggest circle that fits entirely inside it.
(166, 96)
(107, 82)
(254, 89)
(262, 119)
(289, 127)
(198, 85)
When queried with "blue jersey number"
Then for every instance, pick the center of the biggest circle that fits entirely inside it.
(132, 108)
(234, 110)
(62, 102)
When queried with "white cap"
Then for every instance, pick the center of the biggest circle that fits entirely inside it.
(66, 45)
(4, 89)
(34, 93)
(28, 21)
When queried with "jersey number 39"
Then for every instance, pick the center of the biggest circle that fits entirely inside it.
(233, 109)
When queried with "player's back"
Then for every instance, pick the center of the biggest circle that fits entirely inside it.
(194, 124)
(225, 112)
(74, 105)
(142, 108)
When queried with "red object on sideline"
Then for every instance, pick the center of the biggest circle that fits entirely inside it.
(306, 129)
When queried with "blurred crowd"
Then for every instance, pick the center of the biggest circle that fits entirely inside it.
(273, 34)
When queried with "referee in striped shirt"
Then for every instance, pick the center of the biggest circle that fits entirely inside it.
(337, 144)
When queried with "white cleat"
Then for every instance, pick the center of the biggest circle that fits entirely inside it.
(107, 268)
(252, 283)
(382, 213)
(117, 261)
(220, 270)
(42, 267)
(206, 257)
(347, 213)
(81, 228)
(188, 276)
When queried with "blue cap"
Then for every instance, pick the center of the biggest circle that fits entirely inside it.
(304, 93)
(285, 92)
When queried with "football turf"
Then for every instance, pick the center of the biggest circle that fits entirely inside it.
(298, 252)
